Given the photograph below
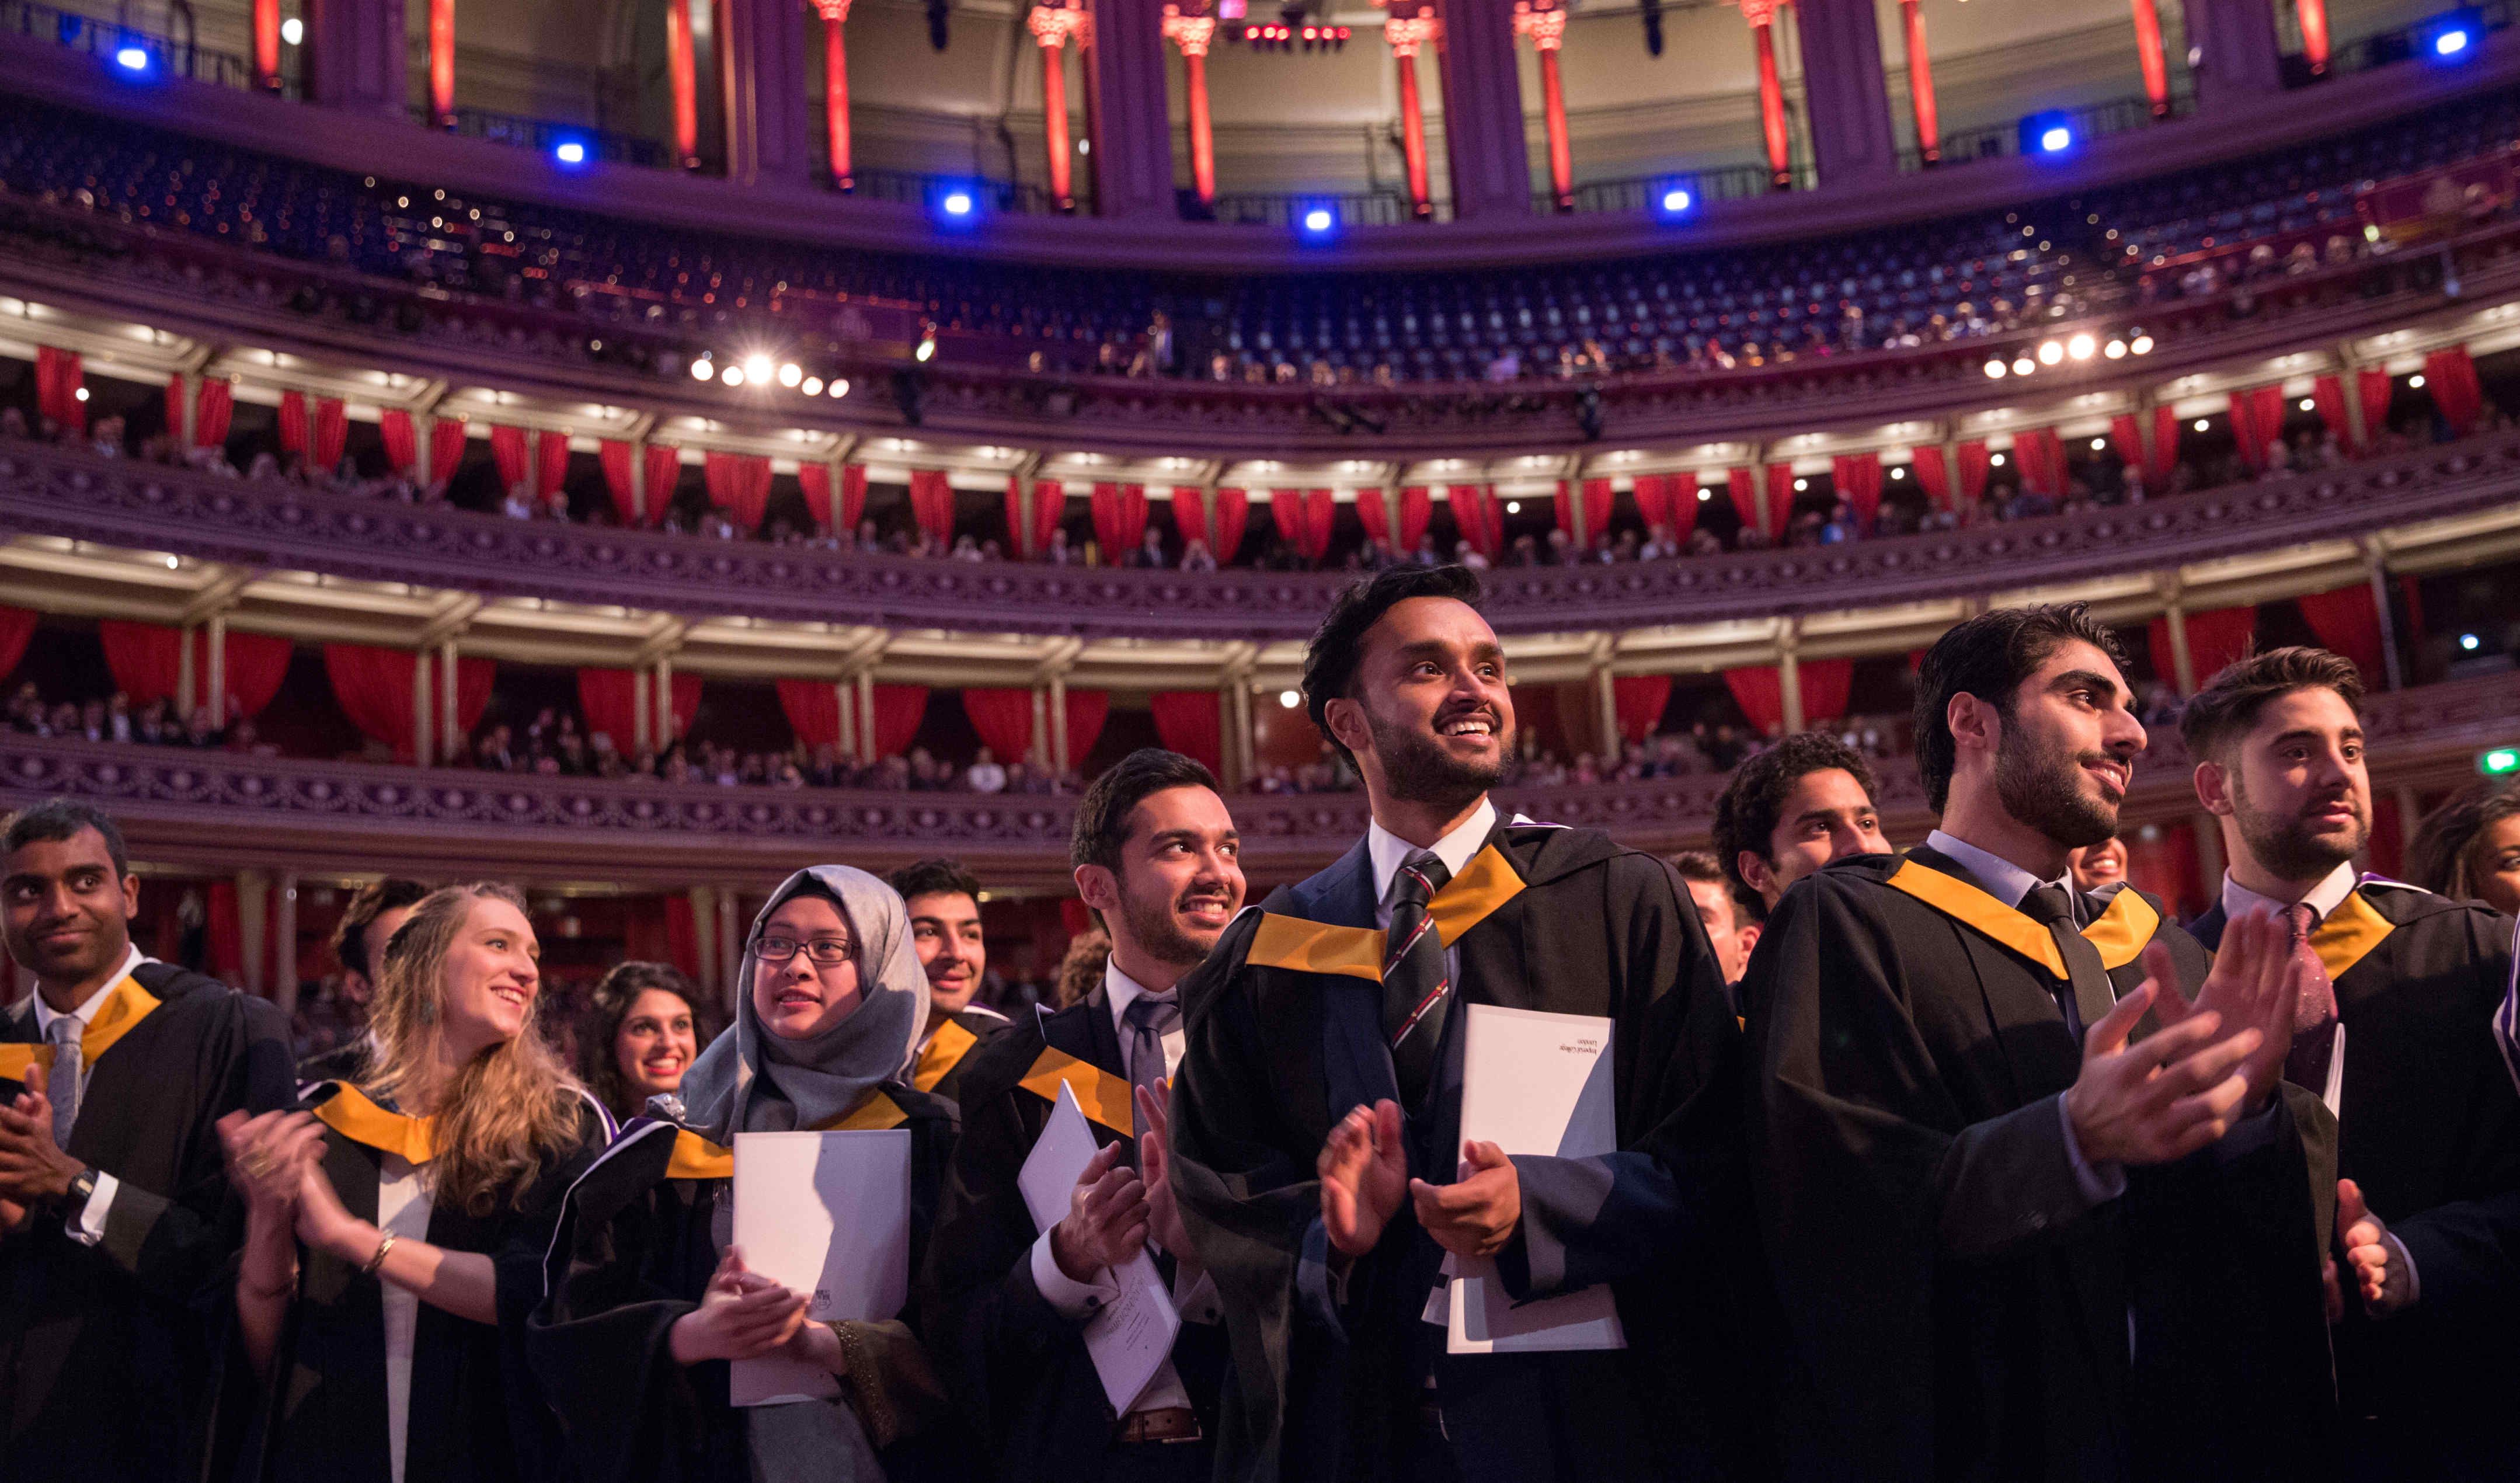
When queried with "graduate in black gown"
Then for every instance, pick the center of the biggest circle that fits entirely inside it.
(647, 1302)
(395, 1234)
(2397, 1037)
(1157, 858)
(2037, 1203)
(368, 922)
(116, 1227)
(943, 900)
(1317, 1151)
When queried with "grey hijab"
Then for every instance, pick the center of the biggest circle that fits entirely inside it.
(755, 1082)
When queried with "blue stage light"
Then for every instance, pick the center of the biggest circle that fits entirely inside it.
(570, 152)
(957, 203)
(2451, 42)
(1677, 200)
(1317, 220)
(2050, 135)
(2452, 37)
(131, 58)
(2055, 140)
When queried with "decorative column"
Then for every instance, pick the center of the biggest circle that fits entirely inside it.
(2183, 665)
(1762, 16)
(730, 949)
(1406, 35)
(423, 735)
(2234, 44)
(252, 894)
(1483, 132)
(2375, 559)
(1058, 724)
(1845, 94)
(1052, 26)
(758, 42)
(1546, 28)
(664, 691)
(450, 718)
(704, 899)
(1920, 82)
(356, 56)
(1038, 753)
(1193, 34)
(441, 64)
(2148, 54)
(187, 685)
(844, 706)
(682, 79)
(1790, 675)
(643, 714)
(266, 45)
(214, 641)
(1130, 114)
(836, 89)
(866, 717)
(283, 947)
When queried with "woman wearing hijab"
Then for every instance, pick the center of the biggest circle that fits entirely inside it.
(647, 1299)
(394, 1237)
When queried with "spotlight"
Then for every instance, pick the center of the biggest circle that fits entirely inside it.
(2141, 344)
(2098, 443)
(1317, 221)
(756, 368)
(813, 385)
(2308, 405)
(2050, 136)
(2416, 381)
(2023, 364)
(2055, 140)
(702, 370)
(926, 350)
(957, 203)
(1705, 494)
(1801, 484)
(2051, 354)
(131, 58)
(2079, 347)
(790, 373)
(1514, 507)
(734, 377)
(1994, 369)
(293, 31)
(1995, 462)
(80, 393)
(1289, 699)
(2450, 43)
(2468, 641)
(839, 388)
(1677, 200)
(1899, 472)
(2115, 349)
(2203, 424)
(2452, 37)
(570, 152)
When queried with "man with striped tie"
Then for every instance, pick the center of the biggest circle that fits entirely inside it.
(1319, 1158)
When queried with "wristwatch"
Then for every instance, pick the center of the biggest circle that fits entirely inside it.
(81, 1190)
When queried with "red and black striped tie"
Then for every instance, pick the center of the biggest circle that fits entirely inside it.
(1416, 988)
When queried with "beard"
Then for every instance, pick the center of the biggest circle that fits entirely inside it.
(1419, 770)
(2290, 848)
(1155, 928)
(2044, 787)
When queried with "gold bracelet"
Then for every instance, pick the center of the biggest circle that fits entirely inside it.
(378, 1259)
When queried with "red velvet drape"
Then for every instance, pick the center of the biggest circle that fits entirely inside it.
(609, 699)
(1189, 722)
(1086, 711)
(1374, 512)
(2041, 456)
(446, 448)
(2126, 440)
(292, 421)
(1049, 505)
(853, 490)
(931, 505)
(2449, 374)
(813, 710)
(145, 660)
(174, 405)
(1780, 499)
(1760, 691)
(1933, 475)
(1232, 511)
(1743, 487)
(17, 628)
(1190, 516)
(898, 711)
(814, 482)
(663, 473)
(507, 452)
(474, 678)
(618, 461)
(1657, 494)
(1976, 463)
(1638, 700)
(2374, 386)
(1001, 717)
(329, 434)
(1304, 519)
(550, 465)
(372, 686)
(58, 378)
(1119, 521)
(741, 484)
(2347, 623)
(2164, 462)
(1478, 516)
(213, 409)
(1824, 685)
(2327, 399)
(1416, 508)
(402, 442)
(2215, 638)
(1597, 496)
(1857, 478)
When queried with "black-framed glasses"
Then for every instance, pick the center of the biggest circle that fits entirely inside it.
(824, 952)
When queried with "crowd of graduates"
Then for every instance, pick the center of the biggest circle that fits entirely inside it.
(1964, 1160)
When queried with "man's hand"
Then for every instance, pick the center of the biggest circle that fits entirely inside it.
(1165, 1225)
(2255, 984)
(1364, 1172)
(1105, 1223)
(33, 1170)
(1477, 1215)
(2166, 1097)
(2373, 1255)
(741, 1317)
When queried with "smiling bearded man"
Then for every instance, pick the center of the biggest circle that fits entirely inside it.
(1319, 1157)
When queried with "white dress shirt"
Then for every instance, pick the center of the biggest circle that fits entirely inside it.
(1389, 852)
(2321, 899)
(86, 1224)
(403, 1207)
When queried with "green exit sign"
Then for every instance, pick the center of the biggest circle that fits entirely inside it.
(2500, 762)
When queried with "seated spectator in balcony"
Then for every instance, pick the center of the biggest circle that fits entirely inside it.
(645, 1024)
(439, 1173)
(202, 731)
(1466, 555)
(1150, 552)
(1196, 557)
(985, 776)
(1058, 553)
(968, 549)
(12, 422)
(496, 751)
(519, 505)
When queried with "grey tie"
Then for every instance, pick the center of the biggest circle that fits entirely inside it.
(2086, 994)
(1149, 1016)
(62, 1087)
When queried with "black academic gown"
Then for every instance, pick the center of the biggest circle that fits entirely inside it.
(938, 1065)
(109, 1354)
(475, 1415)
(634, 1249)
(1958, 1307)
(1019, 1367)
(2429, 1127)
(1327, 1381)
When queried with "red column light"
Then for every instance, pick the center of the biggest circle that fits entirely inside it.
(2148, 54)
(683, 76)
(266, 45)
(1546, 28)
(1406, 36)
(1762, 16)
(441, 62)
(1921, 84)
(1193, 34)
(1050, 26)
(836, 90)
(2313, 16)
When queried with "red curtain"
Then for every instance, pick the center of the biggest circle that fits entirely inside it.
(1597, 496)
(682, 936)
(2373, 387)
(1975, 465)
(1003, 720)
(2215, 638)
(741, 484)
(332, 434)
(931, 505)
(550, 465)
(898, 711)
(1416, 508)
(143, 658)
(2257, 420)
(374, 687)
(2450, 377)
(1638, 700)
(814, 482)
(1232, 513)
(617, 458)
(1760, 691)
(1049, 502)
(1304, 518)
(1189, 722)
(608, 698)
(175, 406)
(2327, 396)
(402, 444)
(16, 627)
(1657, 494)
(2126, 440)
(2347, 623)
(665, 472)
(1780, 499)
(1086, 711)
(507, 451)
(813, 708)
(1119, 520)
(292, 421)
(2164, 462)
(1858, 480)
(253, 666)
(472, 681)
(1477, 515)
(853, 487)
(1825, 684)
(446, 448)
(57, 376)
(2042, 455)
(1933, 475)
(1745, 489)
(213, 408)
(1374, 512)
(1190, 516)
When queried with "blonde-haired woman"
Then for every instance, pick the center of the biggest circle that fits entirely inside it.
(390, 1233)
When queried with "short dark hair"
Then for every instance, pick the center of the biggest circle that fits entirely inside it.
(1331, 659)
(59, 819)
(1989, 657)
(1700, 867)
(2230, 701)
(1745, 816)
(1102, 814)
(934, 878)
(372, 901)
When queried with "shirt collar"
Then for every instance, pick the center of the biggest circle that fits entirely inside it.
(1390, 851)
(85, 1013)
(1999, 878)
(2321, 899)
(1122, 991)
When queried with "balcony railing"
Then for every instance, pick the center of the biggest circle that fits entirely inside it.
(1366, 209)
(1650, 193)
(168, 50)
(2098, 121)
(546, 136)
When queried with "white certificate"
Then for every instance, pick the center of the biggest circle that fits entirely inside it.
(1533, 1084)
(826, 1214)
(1128, 1340)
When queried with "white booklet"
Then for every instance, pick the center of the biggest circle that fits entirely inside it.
(1533, 1083)
(826, 1214)
(1128, 1340)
